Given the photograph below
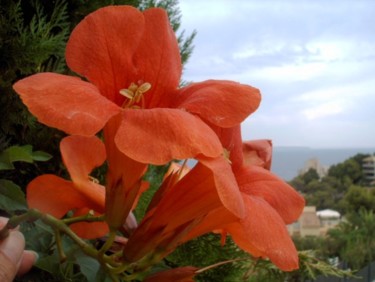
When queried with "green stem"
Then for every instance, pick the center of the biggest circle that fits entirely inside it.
(59, 246)
(56, 224)
(108, 243)
(87, 218)
(13, 222)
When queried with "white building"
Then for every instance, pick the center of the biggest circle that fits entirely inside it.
(368, 168)
(314, 223)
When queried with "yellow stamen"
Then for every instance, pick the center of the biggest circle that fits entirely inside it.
(135, 94)
(226, 155)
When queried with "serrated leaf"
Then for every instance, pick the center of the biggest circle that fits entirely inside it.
(41, 156)
(88, 266)
(12, 197)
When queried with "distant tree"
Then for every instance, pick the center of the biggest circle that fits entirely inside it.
(329, 191)
(310, 175)
(352, 240)
(358, 198)
(301, 181)
(351, 170)
(309, 243)
(321, 195)
(299, 184)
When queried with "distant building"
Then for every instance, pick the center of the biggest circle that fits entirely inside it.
(314, 223)
(368, 168)
(314, 164)
(328, 219)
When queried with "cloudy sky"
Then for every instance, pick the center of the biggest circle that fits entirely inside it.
(314, 62)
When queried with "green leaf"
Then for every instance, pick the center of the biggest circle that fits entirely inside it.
(49, 264)
(14, 154)
(88, 266)
(5, 163)
(20, 153)
(41, 156)
(23, 154)
(102, 276)
(11, 197)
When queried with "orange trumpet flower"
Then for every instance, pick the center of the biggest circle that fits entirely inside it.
(132, 65)
(270, 203)
(182, 205)
(132, 62)
(56, 196)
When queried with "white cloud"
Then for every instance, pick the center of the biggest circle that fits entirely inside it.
(314, 62)
(323, 110)
(292, 72)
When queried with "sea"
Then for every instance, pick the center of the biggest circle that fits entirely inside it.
(288, 161)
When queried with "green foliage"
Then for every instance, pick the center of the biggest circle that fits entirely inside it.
(310, 268)
(329, 191)
(310, 175)
(353, 240)
(78, 9)
(343, 189)
(21, 153)
(76, 267)
(350, 169)
(207, 250)
(31, 42)
(12, 198)
(358, 198)
(309, 243)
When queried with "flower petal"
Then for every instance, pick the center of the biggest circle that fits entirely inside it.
(180, 274)
(222, 103)
(214, 220)
(53, 195)
(259, 182)
(66, 103)
(101, 47)
(226, 184)
(158, 58)
(263, 233)
(81, 155)
(231, 141)
(157, 136)
(117, 45)
(258, 152)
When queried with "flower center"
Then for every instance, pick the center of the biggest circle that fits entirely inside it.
(134, 93)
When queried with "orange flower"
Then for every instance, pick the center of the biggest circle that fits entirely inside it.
(179, 206)
(258, 152)
(56, 196)
(132, 62)
(180, 274)
(269, 202)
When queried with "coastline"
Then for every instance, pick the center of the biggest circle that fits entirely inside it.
(287, 161)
